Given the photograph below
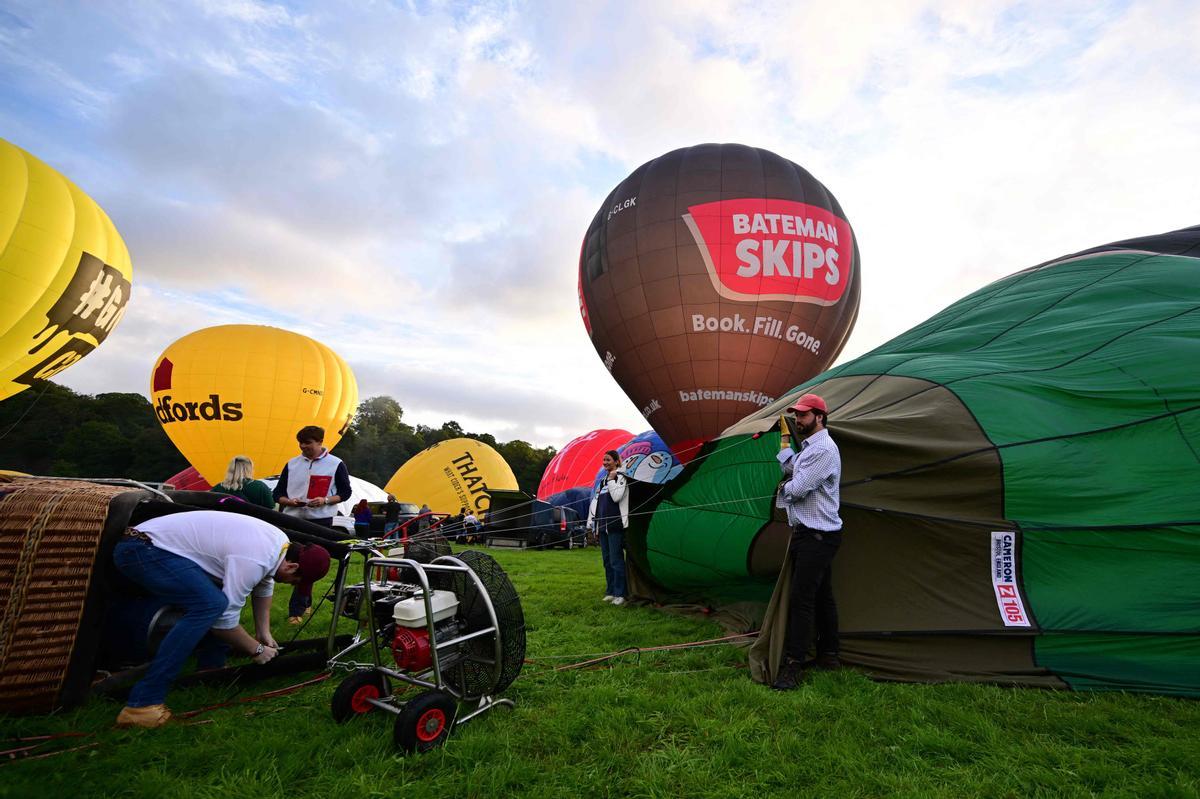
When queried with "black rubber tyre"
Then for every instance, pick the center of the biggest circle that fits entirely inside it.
(350, 698)
(425, 721)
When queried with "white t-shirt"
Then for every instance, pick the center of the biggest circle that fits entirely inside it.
(240, 551)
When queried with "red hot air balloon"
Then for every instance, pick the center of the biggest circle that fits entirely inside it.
(714, 279)
(576, 463)
(189, 480)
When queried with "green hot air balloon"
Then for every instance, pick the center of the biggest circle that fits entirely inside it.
(1020, 486)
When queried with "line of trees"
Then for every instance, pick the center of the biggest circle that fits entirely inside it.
(52, 430)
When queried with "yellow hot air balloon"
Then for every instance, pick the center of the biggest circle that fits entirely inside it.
(452, 474)
(246, 390)
(64, 272)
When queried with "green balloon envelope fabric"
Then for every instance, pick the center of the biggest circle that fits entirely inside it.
(1021, 485)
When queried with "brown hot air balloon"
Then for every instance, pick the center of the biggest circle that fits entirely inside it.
(712, 280)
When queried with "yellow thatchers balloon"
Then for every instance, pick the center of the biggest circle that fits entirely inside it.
(64, 272)
(246, 390)
(453, 474)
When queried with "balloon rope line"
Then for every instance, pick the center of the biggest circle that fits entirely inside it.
(596, 659)
(663, 647)
(290, 689)
(523, 519)
(21, 418)
(313, 615)
(15, 755)
(703, 505)
(636, 511)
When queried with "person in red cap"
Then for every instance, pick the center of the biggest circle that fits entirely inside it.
(208, 563)
(811, 496)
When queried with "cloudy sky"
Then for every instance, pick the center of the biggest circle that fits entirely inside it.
(409, 182)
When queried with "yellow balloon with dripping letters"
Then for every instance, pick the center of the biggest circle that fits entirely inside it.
(65, 273)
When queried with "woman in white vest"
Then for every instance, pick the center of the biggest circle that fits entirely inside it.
(609, 516)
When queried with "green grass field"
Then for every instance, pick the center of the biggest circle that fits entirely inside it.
(669, 724)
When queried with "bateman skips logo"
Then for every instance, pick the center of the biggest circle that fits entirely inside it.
(757, 249)
(1004, 580)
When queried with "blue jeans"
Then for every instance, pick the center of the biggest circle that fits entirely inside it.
(180, 582)
(612, 541)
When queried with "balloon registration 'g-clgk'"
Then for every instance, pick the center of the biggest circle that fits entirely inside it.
(64, 272)
(713, 279)
(1019, 485)
(246, 390)
(452, 474)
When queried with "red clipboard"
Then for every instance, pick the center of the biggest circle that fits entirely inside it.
(318, 486)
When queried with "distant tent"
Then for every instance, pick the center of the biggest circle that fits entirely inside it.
(361, 489)
(1020, 488)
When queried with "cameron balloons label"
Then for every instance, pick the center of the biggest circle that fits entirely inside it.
(757, 249)
(1004, 580)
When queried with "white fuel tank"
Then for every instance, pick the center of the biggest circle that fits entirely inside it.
(411, 612)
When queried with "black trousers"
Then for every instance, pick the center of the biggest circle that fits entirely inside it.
(811, 607)
(297, 602)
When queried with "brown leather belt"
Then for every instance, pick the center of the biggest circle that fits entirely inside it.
(133, 532)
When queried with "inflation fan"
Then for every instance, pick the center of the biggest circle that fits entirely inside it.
(450, 626)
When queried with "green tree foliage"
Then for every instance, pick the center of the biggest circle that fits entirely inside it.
(379, 442)
(52, 430)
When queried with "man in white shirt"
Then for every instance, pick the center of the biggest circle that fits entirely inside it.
(811, 496)
(471, 526)
(208, 563)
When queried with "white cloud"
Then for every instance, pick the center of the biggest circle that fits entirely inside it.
(414, 184)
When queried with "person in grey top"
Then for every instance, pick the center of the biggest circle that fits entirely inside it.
(812, 499)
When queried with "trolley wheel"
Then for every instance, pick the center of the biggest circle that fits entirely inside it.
(350, 698)
(425, 721)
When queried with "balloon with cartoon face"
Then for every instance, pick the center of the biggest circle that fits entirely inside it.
(644, 462)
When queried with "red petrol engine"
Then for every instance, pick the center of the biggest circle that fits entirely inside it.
(411, 649)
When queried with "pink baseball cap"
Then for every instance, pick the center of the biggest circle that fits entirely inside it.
(809, 402)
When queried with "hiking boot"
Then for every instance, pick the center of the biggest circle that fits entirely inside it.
(829, 661)
(149, 717)
(791, 673)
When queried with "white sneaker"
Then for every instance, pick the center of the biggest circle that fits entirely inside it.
(609, 597)
(619, 600)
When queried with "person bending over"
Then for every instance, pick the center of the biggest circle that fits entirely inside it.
(208, 563)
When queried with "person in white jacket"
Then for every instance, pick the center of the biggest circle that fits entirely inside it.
(609, 516)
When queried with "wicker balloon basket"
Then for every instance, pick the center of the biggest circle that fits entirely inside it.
(56, 538)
